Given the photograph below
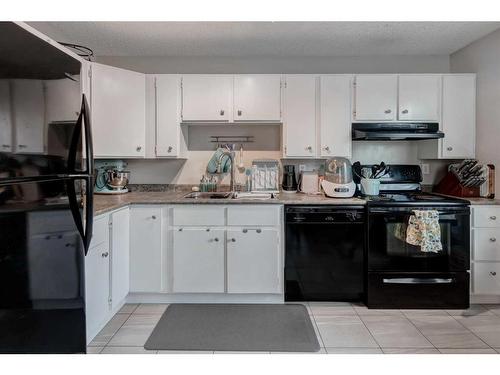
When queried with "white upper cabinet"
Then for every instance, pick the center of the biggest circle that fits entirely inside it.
(118, 109)
(335, 115)
(376, 97)
(257, 98)
(419, 97)
(168, 128)
(62, 100)
(28, 116)
(299, 116)
(459, 116)
(207, 98)
(5, 117)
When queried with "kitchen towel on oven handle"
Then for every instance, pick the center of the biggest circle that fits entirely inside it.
(424, 231)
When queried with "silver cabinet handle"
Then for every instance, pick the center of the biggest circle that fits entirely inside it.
(493, 273)
(105, 255)
(170, 148)
(493, 217)
(22, 146)
(138, 148)
(404, 111)
(417, 280)
(449, 148)
(256, 230)
(6, 146)
(221, 112)
(493, 239)
(240, 112)
(387, 111)
(216, 239)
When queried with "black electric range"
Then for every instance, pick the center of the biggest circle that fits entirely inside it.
(401, 275)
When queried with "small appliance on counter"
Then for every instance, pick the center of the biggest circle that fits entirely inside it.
(265, 175)
(289, 184)
(309, 182)
(111, 177)
(338, 181)
(468, 179)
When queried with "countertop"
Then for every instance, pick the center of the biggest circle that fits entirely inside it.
(106, 203)
(483, 201)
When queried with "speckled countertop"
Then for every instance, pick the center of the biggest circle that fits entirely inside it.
(106, 203)
(483, 201)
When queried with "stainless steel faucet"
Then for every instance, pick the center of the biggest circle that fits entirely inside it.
(219, 165)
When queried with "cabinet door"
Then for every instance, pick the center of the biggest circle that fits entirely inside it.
(206, 98)
(167, 115)
(118, 112)
(28, 116)
(459, 116)
(376, 97)
(96, 287)
(198, 260)
(253, 261)
(299, 114)
(62, 100)
(419, 97)
(486, 278)
(257, 98)
(335, 116)
(120, 256)
(5, 117)
(145, 249)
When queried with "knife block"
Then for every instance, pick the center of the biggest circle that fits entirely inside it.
(450, 185)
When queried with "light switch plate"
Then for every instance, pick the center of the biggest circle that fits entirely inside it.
(425, 168)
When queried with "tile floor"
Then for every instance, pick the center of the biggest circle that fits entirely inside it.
(342, 328)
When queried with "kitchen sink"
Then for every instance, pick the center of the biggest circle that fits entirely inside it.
(209, 195)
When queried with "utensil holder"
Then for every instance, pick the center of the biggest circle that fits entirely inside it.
(370, 186)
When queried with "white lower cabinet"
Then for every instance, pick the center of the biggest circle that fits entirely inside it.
(253, 260)
(146, 249)
(120, 256)
(97, 280)
(198, 260)
(485, 252)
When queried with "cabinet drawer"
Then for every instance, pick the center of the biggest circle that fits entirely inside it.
(253, 215)
(100, 231)
(486, 244)
(486, 278)
(198, 215)
(488, 216)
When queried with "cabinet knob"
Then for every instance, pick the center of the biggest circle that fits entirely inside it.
(259, 230)
(180, 229)
(309, 148)
(105, 255)
(404, 111)
(153, 217)
(221, 112)
(240, 112)
(22, 146)
(493, 239)
(493, 273)
(208, 229)
(449, 148)
(6, 146)
(232, 240)
(326, 148)
(138, 148)
(493, 217)
(216, 239)
(170, 148)
(387, 111)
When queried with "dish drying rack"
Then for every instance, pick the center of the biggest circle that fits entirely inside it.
(265, 176)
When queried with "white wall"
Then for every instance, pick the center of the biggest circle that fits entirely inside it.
(483, 58)
(268, 146)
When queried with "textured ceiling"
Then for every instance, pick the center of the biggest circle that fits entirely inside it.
(239, 39)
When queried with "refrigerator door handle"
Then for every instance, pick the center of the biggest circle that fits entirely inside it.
(85, 230)
(82, 125)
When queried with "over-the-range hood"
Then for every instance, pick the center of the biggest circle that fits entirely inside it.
(400, 131)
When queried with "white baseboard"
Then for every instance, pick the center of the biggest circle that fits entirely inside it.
(204, 298)
(484, 298)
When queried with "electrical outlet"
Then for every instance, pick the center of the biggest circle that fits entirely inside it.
(425, 168)
(302, 167)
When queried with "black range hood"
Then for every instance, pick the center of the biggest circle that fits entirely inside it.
(399, 131)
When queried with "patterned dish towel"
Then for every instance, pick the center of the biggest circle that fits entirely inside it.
(424, 231)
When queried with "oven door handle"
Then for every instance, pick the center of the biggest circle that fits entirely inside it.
(416, 280)
(410, 211)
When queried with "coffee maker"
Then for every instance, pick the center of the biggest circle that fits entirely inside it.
(289, 184)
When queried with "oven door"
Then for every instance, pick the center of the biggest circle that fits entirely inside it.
(389, 251)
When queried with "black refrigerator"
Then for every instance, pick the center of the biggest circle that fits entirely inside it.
(46, 195)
